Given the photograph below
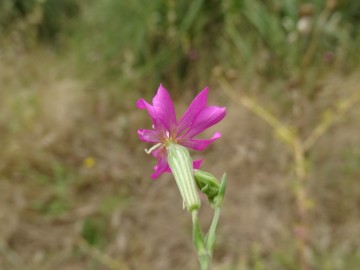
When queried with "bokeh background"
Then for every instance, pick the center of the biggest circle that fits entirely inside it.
(75, 187)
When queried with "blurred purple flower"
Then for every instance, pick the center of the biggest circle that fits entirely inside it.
(328, 57)
(167, 130)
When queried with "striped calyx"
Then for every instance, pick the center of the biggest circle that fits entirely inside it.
(181, 166)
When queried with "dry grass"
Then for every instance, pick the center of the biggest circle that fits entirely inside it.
(72, 167)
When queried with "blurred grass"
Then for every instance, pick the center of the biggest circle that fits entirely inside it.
(70, 72)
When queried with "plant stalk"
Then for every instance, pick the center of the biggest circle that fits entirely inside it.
(199, 243)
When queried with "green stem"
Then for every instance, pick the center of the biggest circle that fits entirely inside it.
(205, 246)
(211, 235)
(202, 251)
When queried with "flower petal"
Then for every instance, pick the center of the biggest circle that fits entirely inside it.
(142, 104)
(159, 152)
(200, 144)
(164, 108)
(205, 119)
(148, 135)
(161, 167)
(197, 163)
(197, 105)
(158, 124)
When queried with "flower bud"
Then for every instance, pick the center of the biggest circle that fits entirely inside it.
(211, 187)
(181, 166)
(207, 183)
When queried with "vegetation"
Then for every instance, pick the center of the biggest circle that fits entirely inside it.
(73, 194)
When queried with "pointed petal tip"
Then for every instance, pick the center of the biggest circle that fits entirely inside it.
(141, 103)
(157, 173)
(164, 108)
(197, 163)
(162, 165)
(161, 88)
(222, 109)
(154, 176)
(216, 135)
(203, 94)
(206, 89)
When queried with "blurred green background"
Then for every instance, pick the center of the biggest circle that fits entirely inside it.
(75, 187)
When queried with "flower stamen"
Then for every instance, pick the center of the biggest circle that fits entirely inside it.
(148, 151)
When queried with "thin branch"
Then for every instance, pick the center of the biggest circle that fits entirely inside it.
(280, 129)
(343, 107)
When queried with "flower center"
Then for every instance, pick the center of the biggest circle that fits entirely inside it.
(167, 140)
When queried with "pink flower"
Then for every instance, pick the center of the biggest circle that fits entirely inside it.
(167, 130)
